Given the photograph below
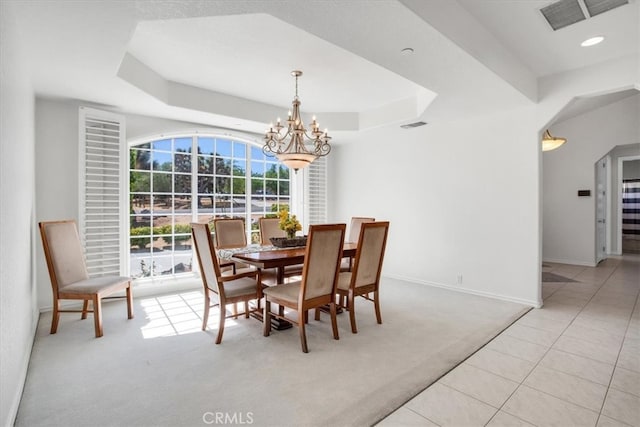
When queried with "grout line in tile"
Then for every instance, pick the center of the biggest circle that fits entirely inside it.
(474, 398)
(615, 366)
(422, 416)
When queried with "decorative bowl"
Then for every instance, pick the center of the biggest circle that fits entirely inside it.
(285, 242)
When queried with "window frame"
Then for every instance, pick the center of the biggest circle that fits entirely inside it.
(248, 141)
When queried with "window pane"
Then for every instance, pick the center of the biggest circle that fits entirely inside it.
(223, 166)
(140, 182)
(239, 167)
(164, 145)
(182, 225)
(258, 205)
(205, 164)
(223, 205)
(239, 185)
(140, 159)
(182, 145)
(271, 170)
(223, 147)
(257, 169)
(256, 153)
(239, 150)
(182, 204)
(182, 163)
(182, 184)
(162, 161)
(284, 188)
(206, 145)
(223, 185)
(257, 186)
(284, 172)
(205, 204)
(161, 182)
(271, 186)
(205, 184)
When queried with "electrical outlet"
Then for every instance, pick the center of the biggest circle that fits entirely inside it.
(459, 279)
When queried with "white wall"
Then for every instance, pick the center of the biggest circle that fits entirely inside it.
(569, 220)
(462, 198)
(18, 314)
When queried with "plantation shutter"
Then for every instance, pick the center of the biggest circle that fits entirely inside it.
(102, 217)
(316, 191)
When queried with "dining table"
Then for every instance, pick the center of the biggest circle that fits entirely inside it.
(265, 257)
(279, 258)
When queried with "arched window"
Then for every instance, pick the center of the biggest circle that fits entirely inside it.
(177, 180)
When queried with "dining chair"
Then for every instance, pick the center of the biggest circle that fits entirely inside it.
(365, 276)
(69, 276)
(318, 285)
(229, 233)
(229, 287)
(270, 227)
(354, 234)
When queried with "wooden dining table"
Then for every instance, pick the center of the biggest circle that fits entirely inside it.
(279, 259)
(282, 257)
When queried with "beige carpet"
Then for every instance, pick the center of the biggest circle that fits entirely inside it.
(160, 370)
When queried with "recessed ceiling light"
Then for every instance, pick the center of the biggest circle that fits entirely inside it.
(407, 51)
(592, 41)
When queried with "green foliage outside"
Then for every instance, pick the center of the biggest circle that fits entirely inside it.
(183, 233)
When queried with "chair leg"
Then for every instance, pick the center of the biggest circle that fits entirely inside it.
(205, 316)
(97, 315)
(129, 302)
(317, 313)
(303, 337)
(223, 313)
(376, 303)
(85, 309)
(266, 318)
(56, 317)
(246, 309)
(352, 312)
(235, 310)
(334, 320)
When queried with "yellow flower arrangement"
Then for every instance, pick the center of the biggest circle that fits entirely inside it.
(289, 223)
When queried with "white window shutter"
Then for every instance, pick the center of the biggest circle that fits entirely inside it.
(316, 191)
(103, 218)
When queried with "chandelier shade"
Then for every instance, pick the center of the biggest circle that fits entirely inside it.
(550, 142)
(293, 144)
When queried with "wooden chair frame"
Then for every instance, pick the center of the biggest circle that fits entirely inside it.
(96, 297)
(363, 290)
(218, 287)
(302, 305)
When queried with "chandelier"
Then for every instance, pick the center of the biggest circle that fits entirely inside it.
(292, 144)
(550, 142)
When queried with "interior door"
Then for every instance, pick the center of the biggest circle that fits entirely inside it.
(601, 209)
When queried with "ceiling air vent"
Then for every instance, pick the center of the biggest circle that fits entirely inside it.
(413, 125)
(563, 13)
(596, 7)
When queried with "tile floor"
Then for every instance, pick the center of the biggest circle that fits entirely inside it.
(574, 362)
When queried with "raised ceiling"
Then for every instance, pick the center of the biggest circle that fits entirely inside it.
(227, 63)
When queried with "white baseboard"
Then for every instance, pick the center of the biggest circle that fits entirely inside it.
(570, 261)
(531, 303)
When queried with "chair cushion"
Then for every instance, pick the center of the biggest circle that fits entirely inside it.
(344, 280)
(242, 286)
(287, 292)
(97, 285)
